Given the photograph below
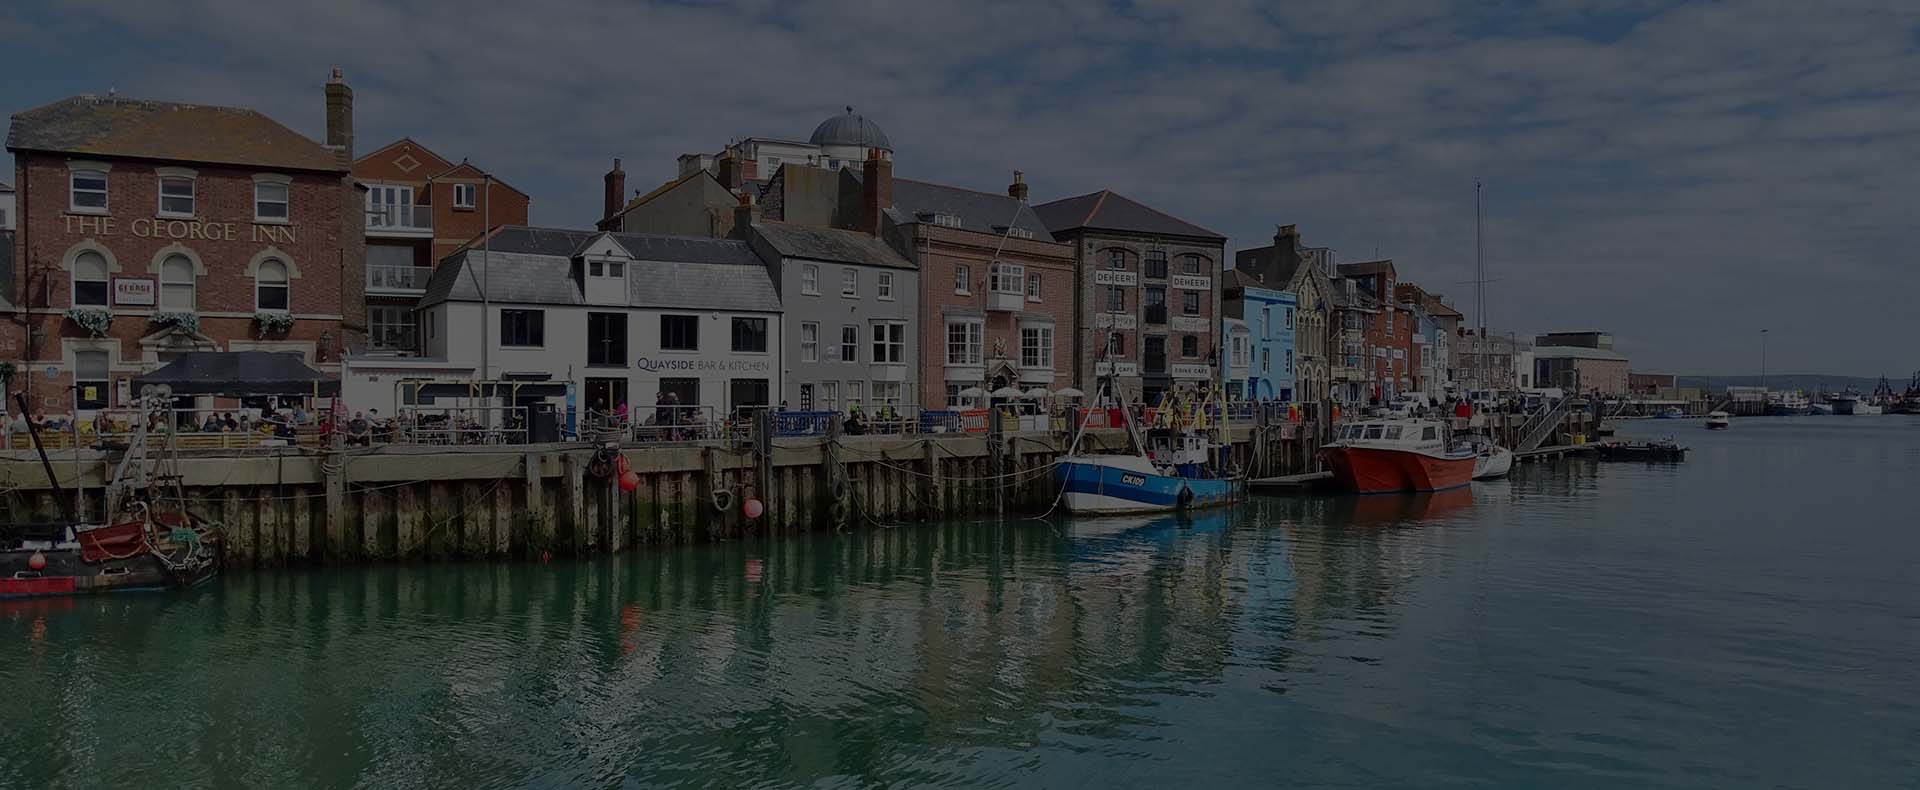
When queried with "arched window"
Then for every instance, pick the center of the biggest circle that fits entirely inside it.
(270, 286)
(89, 280)
(176, 283)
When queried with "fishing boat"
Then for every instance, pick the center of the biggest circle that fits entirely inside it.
(1177, 463)
(1820, 407)
(1788, 404)
(1907, 402)
(1719, 421)
(149, 541)
(1383, 456)
(1671, 413)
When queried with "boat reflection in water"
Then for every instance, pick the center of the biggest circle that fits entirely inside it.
(1377, 510)
(1124, 543)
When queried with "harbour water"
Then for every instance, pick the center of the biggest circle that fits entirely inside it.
(1748, 618)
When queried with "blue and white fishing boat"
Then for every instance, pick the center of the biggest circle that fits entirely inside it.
(1176, 465)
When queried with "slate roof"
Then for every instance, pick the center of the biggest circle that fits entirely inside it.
(829, 244)
(1110, 210)
(985, 212)
(1262, 258)
(535, 266)
(114, 126)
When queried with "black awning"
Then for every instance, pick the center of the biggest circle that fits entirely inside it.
(241, 374)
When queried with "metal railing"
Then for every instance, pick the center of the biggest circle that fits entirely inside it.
(397, 277)
(400, 217)
(1536, 430)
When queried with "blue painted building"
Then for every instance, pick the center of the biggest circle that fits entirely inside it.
(1269, 318)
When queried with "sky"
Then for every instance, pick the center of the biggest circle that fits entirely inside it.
(1683, 175)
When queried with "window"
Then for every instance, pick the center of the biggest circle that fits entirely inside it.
(1156, 264)
(463, 195)
(679, 333)
(176, 196)
(87, 191)
(849, 343)
(1006, 278)
(883, 286)
(1190, 264)
(91, 382)
(810, 279)
(964, 341)
(849, 282)
(270, 289)
(853, 394)
(1189, 346)
(1156, 303)
(607, 339)
(829, 396)
(954, 401)
(946, 220)
(176, 283)
(1155, 352)
(1289, 318)
(748, 393)
(270, 201)
(1393, 432)
(1116, 345)
(962, 279)
(886, 394)
(750, 335)
(1266, 360)
(1190, 302)
(390, 327)
(806, 397)
(1036, 347)
(809, 342)
(1429, 434)
(889, 342)
(1033, 287)
(1020, 233)
(596, 269)
(1116, 299)
(1289, 363)
(524, 328)
(1116, 259)
(686, 392)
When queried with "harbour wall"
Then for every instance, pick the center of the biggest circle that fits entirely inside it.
(285, 506)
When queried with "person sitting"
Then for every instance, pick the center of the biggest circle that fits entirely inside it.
(359, 430)
(856, 422)
(212, 424)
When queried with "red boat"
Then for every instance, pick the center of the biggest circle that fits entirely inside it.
(1398, 455)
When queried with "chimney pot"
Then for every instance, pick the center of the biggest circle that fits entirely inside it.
(615, 192)
(876, 192)
(339, 115)
(1018, 189)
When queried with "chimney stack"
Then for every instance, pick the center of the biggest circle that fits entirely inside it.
(616, 183)
(876, 191)
(340, 115)
(742, 217)
(730, 176)
(1018, 189)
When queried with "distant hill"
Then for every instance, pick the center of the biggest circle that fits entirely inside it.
(1810, 382)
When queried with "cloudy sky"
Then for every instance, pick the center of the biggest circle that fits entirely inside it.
(1682, 174)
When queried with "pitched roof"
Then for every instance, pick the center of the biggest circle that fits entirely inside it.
(829, 244)
(1439, 308)
(112, 126)
(1110, 210)
(664, 188)
(1260, 259)
(418, 147)
(667, 271)
(985, 212)
(474, 172)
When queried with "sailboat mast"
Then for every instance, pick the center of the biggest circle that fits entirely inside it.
(1480, 287)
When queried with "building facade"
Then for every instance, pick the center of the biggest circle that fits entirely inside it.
(1269, 318)
(998, 291)
(155, 228)
(8, 206)
(1290, 267)
(851, 317)
(622, 318)
(420, 208)
(1147, 294)
(1579, 362)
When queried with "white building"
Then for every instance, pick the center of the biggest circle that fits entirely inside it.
(620, 317)
(8, 220)
(841, 141)
(852, 317)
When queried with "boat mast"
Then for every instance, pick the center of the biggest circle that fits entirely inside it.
(1479, 290)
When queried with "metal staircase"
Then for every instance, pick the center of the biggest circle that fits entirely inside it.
(1537, 430)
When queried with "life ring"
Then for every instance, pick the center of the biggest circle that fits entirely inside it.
(723, 500)
(837, 511)
(1186, 497)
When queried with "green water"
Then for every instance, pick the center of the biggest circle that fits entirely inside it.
(1746, 619)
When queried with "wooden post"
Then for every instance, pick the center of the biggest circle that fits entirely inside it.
(576, 488)
(930, 502)
(408, 538)
(302, 529)
(540, 529)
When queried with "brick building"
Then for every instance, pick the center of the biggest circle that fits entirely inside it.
(1388, 328)
(150, 228)
(1147, 288)
(420, 208)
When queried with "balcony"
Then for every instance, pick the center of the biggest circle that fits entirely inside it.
(402, 280)
(400, 221)
(1006, 301)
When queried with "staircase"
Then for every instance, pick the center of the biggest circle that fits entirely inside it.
(1537, 430)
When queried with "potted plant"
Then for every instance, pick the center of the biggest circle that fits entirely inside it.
(272, 323)
(184, 321)
(95, 320)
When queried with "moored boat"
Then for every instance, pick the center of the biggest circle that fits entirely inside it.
(1383, 456)
(1177, 464)
(1719, 421)
(1659, 450)
(1671, 413)
(1490, 460)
